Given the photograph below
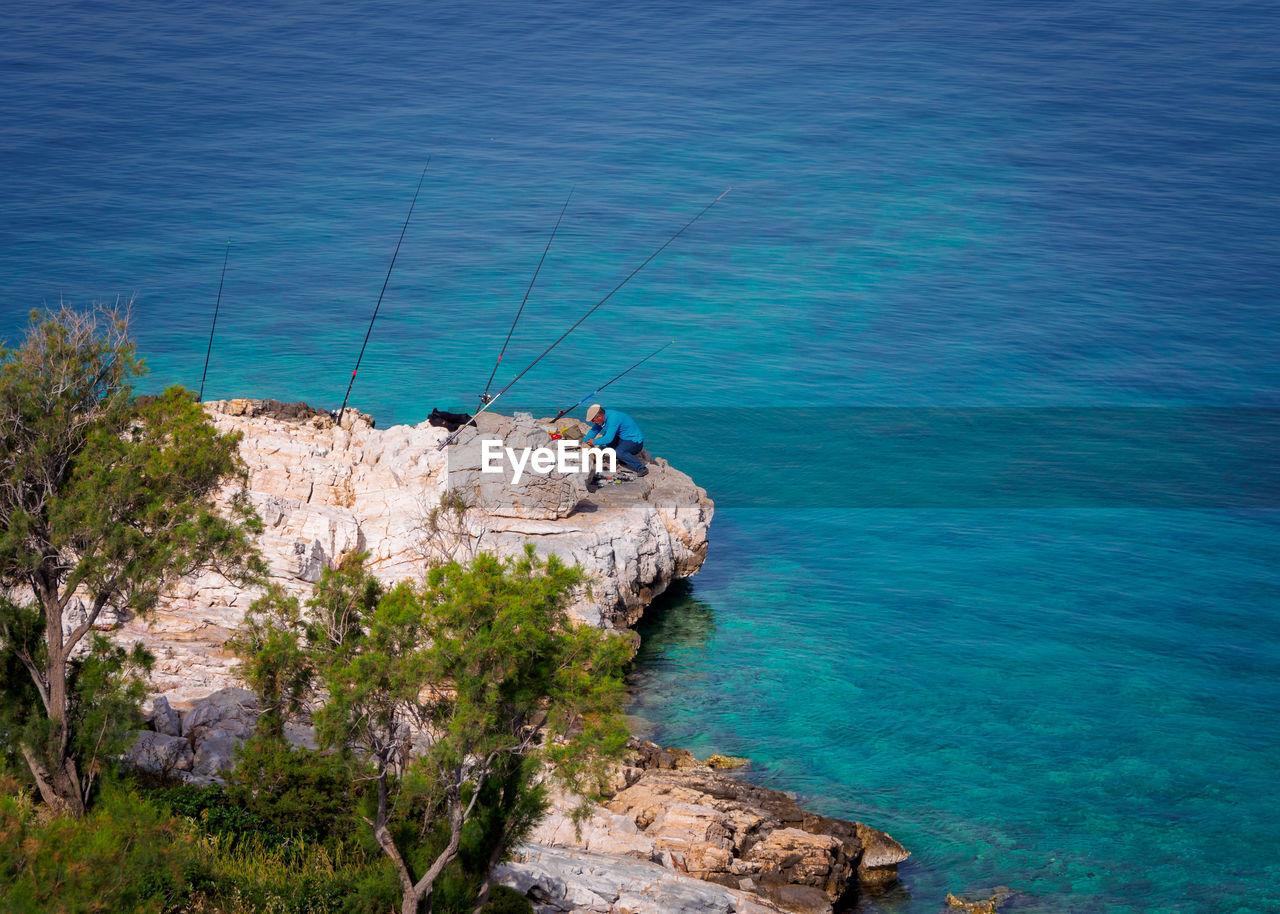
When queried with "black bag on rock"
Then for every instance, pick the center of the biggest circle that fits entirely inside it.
(450, 422)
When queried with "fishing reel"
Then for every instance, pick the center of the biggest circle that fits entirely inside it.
(485, 399)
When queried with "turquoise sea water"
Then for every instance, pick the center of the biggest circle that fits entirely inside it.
(946, 204)
(1075, 703)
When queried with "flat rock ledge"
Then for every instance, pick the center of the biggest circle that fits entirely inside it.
(559, 881)
(326, 489)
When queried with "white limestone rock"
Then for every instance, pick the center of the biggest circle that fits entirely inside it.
(560, 881)
(517, 491)
(689, 818)
(603, 832)
(325, 491)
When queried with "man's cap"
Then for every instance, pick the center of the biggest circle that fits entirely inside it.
(593, 409)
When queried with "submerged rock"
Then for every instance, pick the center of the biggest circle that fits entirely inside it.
(999, 897)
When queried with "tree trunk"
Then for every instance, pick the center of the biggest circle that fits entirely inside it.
(52, 767)
(426, 885)
(66, 782)
(58, 780)
(411, 896)
(60, 788)
(495, 857)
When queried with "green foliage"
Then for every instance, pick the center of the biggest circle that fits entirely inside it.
(105, 498)
(299, 877)
(504, 900)
(126, 855)
(511, 802)
(274, 664)
(108, 688)
(212, 812)
(316, 795)
(17, 694)
(252, 858)
(281, 651)
(483, 658)
(135, 511)
(180, 849)
(497, 633)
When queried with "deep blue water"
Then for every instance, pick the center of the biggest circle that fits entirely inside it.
(934, 205)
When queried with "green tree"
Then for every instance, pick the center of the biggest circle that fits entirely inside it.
(455, 694)
(105, 498)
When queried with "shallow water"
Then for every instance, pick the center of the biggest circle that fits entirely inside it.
(1022, 698)
(935, 205)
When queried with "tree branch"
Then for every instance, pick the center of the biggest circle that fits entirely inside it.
(99, 602)
(41, 775)
(41, 685)
(383, 834)
(449, 853)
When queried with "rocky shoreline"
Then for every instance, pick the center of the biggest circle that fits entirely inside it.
(754, 848)
(675, 835)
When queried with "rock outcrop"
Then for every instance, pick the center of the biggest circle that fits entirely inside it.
(325, 490)
(559, 881)
(670, 811)
(675, 835)
(198, 746)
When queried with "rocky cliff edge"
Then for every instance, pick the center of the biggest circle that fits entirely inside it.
(326, 489)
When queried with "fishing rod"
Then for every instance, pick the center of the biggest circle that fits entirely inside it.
(217, 304)
(338, 415)
(484, 397)
(608, 382)
(513, 381)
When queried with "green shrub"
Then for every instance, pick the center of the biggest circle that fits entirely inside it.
(126, 855)
(485, 658)
(249, 877)
(299, 877)
(504, 900)
(109, 497)
(298, 791)
(276, 795)
(215, 813)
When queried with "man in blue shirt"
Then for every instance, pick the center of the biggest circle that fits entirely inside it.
(617, 431)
